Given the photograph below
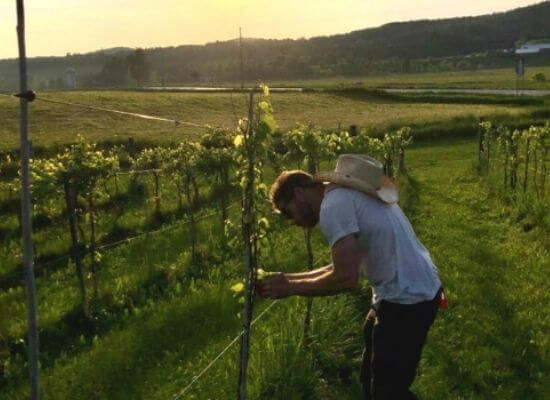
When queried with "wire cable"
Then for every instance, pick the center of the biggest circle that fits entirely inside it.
(226, 349)
(176, 122)
(137, 115)
(197, 377)
(127, 240)
(138, 171)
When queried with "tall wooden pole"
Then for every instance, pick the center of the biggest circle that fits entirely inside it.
(309, 300)
(249, 252)
(311, 169)
(76, 251)
(26, 226)
(480, 143)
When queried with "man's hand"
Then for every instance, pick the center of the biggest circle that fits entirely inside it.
(261, 274)
(342, 276)
(274, 287)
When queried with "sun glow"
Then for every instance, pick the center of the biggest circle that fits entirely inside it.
(58, 27)
(229, 4)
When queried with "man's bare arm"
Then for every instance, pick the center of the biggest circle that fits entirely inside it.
(344, 276)
(309, 274)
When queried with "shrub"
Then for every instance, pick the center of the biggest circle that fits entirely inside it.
(539, 77)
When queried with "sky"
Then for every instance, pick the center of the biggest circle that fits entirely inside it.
(58, 27)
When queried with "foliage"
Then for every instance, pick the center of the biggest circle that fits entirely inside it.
(139, 66)
(217, 162)
(76, 173)
(508, 146)
(537, 148)
(121, 152)
(150, 158)
(153, 160)
(252, 144)
(182, 164)
(393, 148)
(308, 146)
(114, 72)
(81, 166)
(9, 186)
(539, 77)
(527, 148)
(390, 149)
(520, 183)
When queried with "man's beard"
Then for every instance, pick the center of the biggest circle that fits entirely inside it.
(310, 217)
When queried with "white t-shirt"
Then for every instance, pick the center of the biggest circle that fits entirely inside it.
(397, 265)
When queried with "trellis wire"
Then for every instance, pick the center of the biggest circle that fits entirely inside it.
(127, 240)
(197, 377)
(138, 171)
(176, 122)
(211, 363)
(167, 228)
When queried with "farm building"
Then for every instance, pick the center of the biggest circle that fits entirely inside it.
(534, 47)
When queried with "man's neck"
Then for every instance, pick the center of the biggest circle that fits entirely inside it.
(319, 195)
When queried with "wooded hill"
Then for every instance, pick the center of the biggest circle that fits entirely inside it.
(417, 46)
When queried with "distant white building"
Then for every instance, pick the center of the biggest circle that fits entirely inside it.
(70, 78)
(534, 47)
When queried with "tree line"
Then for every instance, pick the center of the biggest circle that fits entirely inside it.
(417, 46)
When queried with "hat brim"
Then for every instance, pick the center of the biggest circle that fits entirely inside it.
(387, 192)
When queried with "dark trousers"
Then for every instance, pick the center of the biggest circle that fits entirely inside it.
(394, 337)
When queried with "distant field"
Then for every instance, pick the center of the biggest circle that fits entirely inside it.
(53, 123)
(482, 79)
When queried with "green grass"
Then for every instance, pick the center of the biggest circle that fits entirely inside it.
(491, 343)
(504, 78)
(52, 125)
(129, 277)
(161, 318)
(117, 218)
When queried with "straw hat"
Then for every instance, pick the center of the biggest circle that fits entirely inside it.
(362, 173)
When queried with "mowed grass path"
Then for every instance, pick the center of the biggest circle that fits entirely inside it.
(492, 342)
(55, 123)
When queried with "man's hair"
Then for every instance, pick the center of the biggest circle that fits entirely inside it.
(283, 187)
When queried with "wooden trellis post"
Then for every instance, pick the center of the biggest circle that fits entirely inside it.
(76, 249)
(26, 220)
(309, 300)
(249, 250)
(480, 143)
(312, 169)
